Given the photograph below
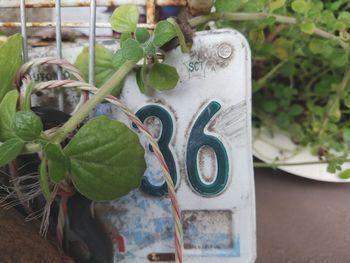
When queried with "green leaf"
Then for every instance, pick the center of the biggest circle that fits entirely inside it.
(283, 120)
(283, 48)
(44, 180)
(269, 105)
(335, 112)
(27, 96)
(107, 159)
(163, 33)
(9, 150)
(295, 110)
(132, 50)
(308, 27)
(339, 25)
(124, 19)
(10, 61)
(257, 35)
(140, 78)
(227, 6)
(163, 77)
(316, 46)
(299, 6)
(58, 163)
(339, 57)
(336, 4)
(118, 59)
(347, 102)
(344, 174)
(184, 44)
(142, 35)
(276, 4)
(331, 168)
(345, 17)
(123, 38)
(150, 48)
(346, 134)
(7, 112)
(105, 66)
(27, 125)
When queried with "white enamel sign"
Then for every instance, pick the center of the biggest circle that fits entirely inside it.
(203, 128)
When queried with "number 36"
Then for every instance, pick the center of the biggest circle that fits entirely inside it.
(196, 141)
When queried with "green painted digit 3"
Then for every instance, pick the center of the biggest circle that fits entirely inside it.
(163, 142)
(196, 141)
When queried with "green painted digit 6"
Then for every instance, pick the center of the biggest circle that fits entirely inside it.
(163, 142)
(198, 139)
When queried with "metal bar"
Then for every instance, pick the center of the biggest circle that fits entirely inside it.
(64, 24)
(24, 30)
(92, 39)
(59, 50)
(80, 3)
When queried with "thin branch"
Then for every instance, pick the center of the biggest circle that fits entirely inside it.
(277, 164)
(84, 111)
(196, 21)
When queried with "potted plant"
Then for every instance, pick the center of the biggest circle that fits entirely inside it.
(101, 164)
(300, 73)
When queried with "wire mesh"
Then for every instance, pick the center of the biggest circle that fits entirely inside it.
(92, 25)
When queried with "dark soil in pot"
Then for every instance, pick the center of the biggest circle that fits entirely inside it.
(85, 239)
(20, 241)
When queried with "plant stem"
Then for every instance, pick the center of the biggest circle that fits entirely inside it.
(274, 165)
(240, 16)
(31, 148)
(84, 111)
(270, 74)
(334, 102)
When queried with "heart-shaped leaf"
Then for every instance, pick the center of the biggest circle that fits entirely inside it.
(9, 150)
(142, 34)
(132, 50)
(105, 67)
(107, 159)
(163, 33)
(7, 111)
(118, 59)
(163, 77)
(58, 163)
(27, 125)
(10, 61)
(124, 19)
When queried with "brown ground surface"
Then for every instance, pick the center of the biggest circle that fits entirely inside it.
(20, 241)
(301, 220)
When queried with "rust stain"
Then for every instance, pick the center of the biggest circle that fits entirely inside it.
(207, 221)
(155, 257)
(211, 57)
(82, 3)
(200, 7)
(151, 12)
(8, 24)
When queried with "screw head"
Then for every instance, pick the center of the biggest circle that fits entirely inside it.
(224, 50)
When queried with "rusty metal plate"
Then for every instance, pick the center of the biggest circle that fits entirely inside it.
(204, 130)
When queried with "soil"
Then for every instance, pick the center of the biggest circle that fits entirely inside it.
(20, 241)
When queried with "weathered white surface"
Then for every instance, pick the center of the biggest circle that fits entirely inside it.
(278, 147)
(220, 226)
